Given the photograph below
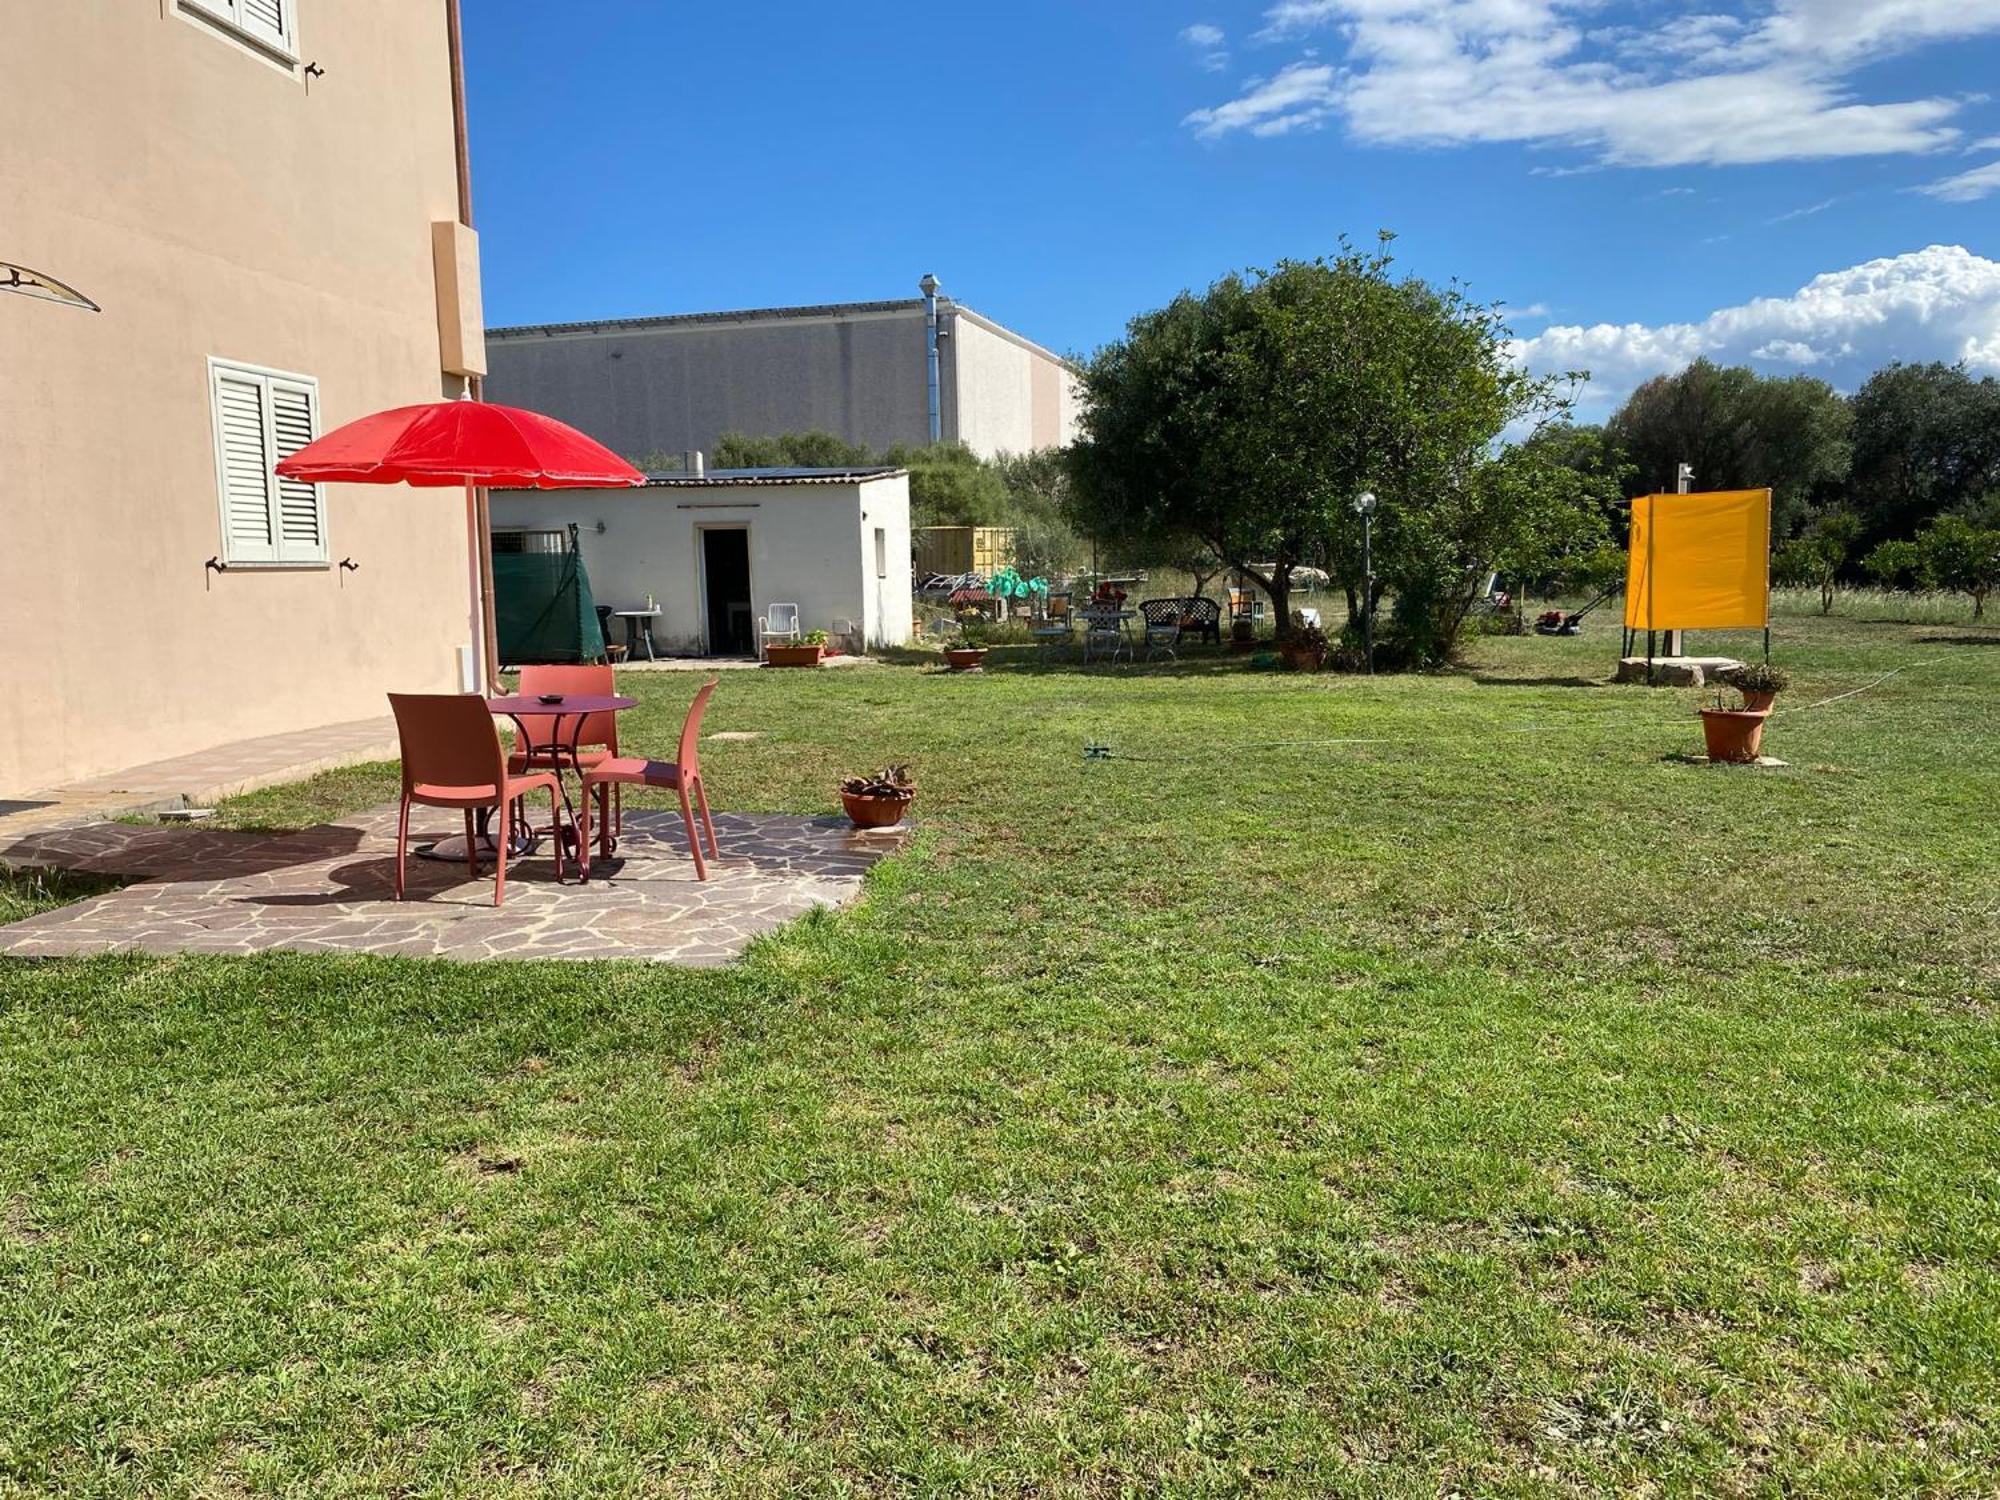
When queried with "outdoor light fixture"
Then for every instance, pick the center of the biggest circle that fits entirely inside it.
(1364, 507)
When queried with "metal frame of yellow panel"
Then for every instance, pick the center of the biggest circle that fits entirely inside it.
(1700, 562)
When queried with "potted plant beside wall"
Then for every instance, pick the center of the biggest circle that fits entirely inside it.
(879, 799)
(805, 652)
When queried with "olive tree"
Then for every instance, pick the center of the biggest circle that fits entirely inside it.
(1961, 557)
(1249, 417)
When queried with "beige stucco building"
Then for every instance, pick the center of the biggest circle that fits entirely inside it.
(251, 190)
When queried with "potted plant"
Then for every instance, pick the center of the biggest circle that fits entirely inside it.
(1734, 736)
(969, 650)
(1304, 650)
(1759, 683)
(804, 652)
(880, 799)
(1242, 634)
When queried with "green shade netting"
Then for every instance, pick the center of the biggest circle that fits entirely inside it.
(543, 608)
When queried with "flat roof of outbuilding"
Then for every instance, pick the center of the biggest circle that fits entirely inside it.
(727, 478)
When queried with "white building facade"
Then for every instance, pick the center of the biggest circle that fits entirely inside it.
(715, 552)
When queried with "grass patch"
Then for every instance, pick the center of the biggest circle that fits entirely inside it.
(26, 893)
(1348, 1087)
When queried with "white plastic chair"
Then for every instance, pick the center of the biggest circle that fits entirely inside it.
(781, 623)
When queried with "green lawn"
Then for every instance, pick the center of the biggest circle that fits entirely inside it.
(1399, 1087)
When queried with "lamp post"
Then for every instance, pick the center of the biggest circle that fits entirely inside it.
(1364, 507)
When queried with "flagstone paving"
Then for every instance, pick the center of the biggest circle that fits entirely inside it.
(206, 890)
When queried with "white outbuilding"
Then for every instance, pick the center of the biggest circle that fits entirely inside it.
(714, 551)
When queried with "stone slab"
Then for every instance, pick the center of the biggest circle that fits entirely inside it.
(1674, 671)
(331, 888)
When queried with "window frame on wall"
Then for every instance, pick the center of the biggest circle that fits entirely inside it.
(274, 550)
(240, 18)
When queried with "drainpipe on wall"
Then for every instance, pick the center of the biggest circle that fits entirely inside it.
(929, 287)
(475, 385)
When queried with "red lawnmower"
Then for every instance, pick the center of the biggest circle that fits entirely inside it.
(1557, 622)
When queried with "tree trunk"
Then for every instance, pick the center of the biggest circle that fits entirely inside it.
(1353, 602)
(1280, 589)
(1979, 604)
(1826, 596)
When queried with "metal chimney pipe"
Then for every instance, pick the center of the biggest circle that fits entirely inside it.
(929, 287)
(693, 464)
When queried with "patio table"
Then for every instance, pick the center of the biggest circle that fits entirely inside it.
(575, 708)
(638, 627)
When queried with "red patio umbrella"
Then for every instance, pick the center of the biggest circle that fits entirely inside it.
(462, 442)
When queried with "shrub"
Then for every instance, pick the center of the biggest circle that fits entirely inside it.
(1757, 677)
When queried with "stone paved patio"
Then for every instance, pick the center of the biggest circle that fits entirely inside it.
(202, 890)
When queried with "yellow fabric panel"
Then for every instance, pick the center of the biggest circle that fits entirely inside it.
(1700, 562)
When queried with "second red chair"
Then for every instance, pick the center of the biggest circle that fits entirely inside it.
(682, 774)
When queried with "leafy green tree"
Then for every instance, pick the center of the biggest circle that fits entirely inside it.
(1602, 477)
(1926, 441)
(1892, 564)
(816, 449)
(1961, 557)
(1249, 417)
(1738, 430)
(1037, 487)
(1815, 560)
(950, 485)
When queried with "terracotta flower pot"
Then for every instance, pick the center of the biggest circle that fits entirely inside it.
(792, 656)
(876, 812)
(1301, 659)
(965, 658)
(1758, 703)
(1734, 735)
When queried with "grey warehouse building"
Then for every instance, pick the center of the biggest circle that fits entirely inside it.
(857, 369)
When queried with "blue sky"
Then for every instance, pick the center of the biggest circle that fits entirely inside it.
(1640, 182)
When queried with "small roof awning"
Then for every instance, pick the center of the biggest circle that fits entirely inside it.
(29, 283)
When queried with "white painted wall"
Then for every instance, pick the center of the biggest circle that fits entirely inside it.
(810, 545)
(887, 584)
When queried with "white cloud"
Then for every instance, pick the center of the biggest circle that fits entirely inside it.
(1939, 303)
(1964, 187)
(1694, 88)
(1208, 44)
(1803, 213)
(1298, 97)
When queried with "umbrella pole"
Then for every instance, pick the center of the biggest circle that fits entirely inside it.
(478, 591)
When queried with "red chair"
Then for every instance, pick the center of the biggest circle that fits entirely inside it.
(596, 738)
(452, 757)
(682, 773)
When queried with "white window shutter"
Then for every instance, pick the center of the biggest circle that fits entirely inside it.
(301, 517)
(261, 417)
(245, 464)
(268, 20)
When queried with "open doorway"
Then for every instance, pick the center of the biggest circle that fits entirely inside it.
(725, 591)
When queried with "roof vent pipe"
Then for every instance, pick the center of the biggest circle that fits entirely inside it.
(929, 287)
(693, 464)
